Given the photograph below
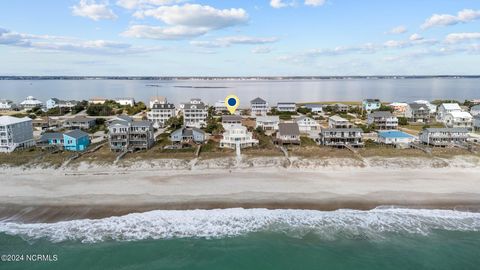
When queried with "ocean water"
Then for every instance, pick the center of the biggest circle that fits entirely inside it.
(402, 90)
(382, 238)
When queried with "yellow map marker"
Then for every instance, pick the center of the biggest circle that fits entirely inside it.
(232, 102)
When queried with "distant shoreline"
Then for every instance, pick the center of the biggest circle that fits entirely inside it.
(246, 78)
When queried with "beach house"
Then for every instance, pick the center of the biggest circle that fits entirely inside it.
(50, 139)
(288, 133)
(44, 123)
(382, 120)
(431, 107)
(341, 137)
(97, 100)
(286, 107)
(7, 105)
(399, 108)
(417, 112)
(459, 119)
(187, 135)
(341, 108)
(338, 122)
(127, 134)
(126, 101)
(268, 123)
(195, 113)
(160, 113)
(307, 124)
(441, 137)
(315, 108)
(76, 140)
(236, 135)
(79, 122)
(220, 107)
(156, 100)
(259, 107)
(231, 119)
(394, 137)
(30, 103)
(445, 109)
(475, 110)
(371, 104)
(476, 122)
(57, 103)
(15, 133)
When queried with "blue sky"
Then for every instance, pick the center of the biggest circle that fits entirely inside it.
(239, 38)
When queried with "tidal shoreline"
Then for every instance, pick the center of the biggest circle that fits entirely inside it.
(94, 191)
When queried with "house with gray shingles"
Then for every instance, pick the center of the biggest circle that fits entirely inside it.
(338, 122)
(76, 140)
(383, 120)
(231, 119)
(259, 107)
(188, 135)
(195, 113)
(127, 134)
(441, 137)
(288, 133)
(160, 113)
(340, 137)
(416, 112)
(79, 122)
(50, 139)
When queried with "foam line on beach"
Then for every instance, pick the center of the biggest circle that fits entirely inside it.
(161, 224)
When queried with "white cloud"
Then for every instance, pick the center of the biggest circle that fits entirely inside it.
(228, 41)
(93, 10)
(261, 50)
(184, 21)
(314, 3)
(459, 37)
(279, 3)
(415, 37)
(57, 43)
(133, 4)
(464, 16)
(398, 30)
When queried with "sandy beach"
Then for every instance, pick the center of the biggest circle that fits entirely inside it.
(88, 191)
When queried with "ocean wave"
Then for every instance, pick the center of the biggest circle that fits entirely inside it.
(372, 224)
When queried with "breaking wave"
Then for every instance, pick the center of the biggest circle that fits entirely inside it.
(219, 223)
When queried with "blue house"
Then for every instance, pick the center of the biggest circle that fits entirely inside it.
(76, 140)
(371, 104)
(394, 137)
(51, 139)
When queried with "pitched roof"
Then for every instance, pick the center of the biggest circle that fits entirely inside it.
(229, 118)
(163, 106)
(80, 119)
(446, 130)
(258, 100)
(77, 134)
(460, 114)
(10, 120)
(51, 136)
(268, 118)
(381, 114)
(288, 129)
(418, 106)
(337, 118)
(451, 106)
(371, 100)
(199, 106)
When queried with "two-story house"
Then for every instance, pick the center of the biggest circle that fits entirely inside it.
(341, 137)
(259, 107)
(127, 134)
(441, 137)
(160, 113)
(236, 135)
(417, 112)
(382, 120)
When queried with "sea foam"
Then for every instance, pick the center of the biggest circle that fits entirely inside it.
(218, 223)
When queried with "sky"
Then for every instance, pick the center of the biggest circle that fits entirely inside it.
(239, 38)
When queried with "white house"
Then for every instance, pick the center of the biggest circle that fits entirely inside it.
(195, 113)
(97, 100)
(459, 119)
(220, 106)
(443, 136)
(6, 105)
(156, 100)
(259, 107)
(237, 135)
(15, 133)
(125, 101)
(394, 137)
(306, 124)
(338, 122)
(30, 103)
(316, 108)
(286, 107)
(475, 110)
(445, 109)
(55, 102)
(268, 123)
(432, 107)
(160, 113)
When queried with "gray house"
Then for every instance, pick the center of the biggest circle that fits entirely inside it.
(231, 119)
(79, 122)
(188, 134)
(442, 137)
(383, 120)
(288, 133)
(127, 134)
(416, 112)
(341, 137)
